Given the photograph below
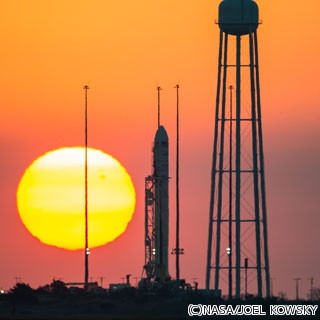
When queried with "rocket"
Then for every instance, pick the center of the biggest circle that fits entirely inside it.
(161, 178)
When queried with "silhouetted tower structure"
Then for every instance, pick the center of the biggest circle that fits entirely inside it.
(157, 208)
(237, 253)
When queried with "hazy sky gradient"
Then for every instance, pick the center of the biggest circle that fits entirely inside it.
(124, 49)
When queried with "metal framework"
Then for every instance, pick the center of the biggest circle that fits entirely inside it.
(237, 241)
(150, 232)
(157, 208)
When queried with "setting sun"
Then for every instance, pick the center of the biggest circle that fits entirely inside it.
(51, 199)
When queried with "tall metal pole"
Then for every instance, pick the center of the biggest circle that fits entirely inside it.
(311, 288)
(255, 165)
(159, 88)
(86, 251)
(263, 185)
(297, 287)
(177, 195)
(230, 197)
(246, 276)
(220, 168)
(271, 286)
(214, 163)
(238, 166)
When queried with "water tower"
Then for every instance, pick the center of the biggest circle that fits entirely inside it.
(237, 256)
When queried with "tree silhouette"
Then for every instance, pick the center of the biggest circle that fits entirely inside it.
(59, 289)
(23, 293)
(44, 289)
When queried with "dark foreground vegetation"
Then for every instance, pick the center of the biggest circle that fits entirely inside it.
(57, 301)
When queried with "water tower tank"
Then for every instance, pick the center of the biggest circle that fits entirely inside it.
(238, 17)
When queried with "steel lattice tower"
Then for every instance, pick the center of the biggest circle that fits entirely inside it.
(237, 243)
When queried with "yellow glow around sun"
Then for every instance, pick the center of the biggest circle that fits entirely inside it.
(51, 198)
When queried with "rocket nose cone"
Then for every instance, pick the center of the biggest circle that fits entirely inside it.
(161, 135)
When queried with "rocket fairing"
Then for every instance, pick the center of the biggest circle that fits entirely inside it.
(161, 178)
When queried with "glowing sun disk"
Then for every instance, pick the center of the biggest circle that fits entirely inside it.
(51, 198)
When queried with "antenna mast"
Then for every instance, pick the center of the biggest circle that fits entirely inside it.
(86, 252)
(177, 250)
(159, 88)
(177, 195)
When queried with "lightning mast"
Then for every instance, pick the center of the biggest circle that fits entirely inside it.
(86, 251)
(177, 250)
(177, 195)
(159, 89)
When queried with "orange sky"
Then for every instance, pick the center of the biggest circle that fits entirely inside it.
(124, 49)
